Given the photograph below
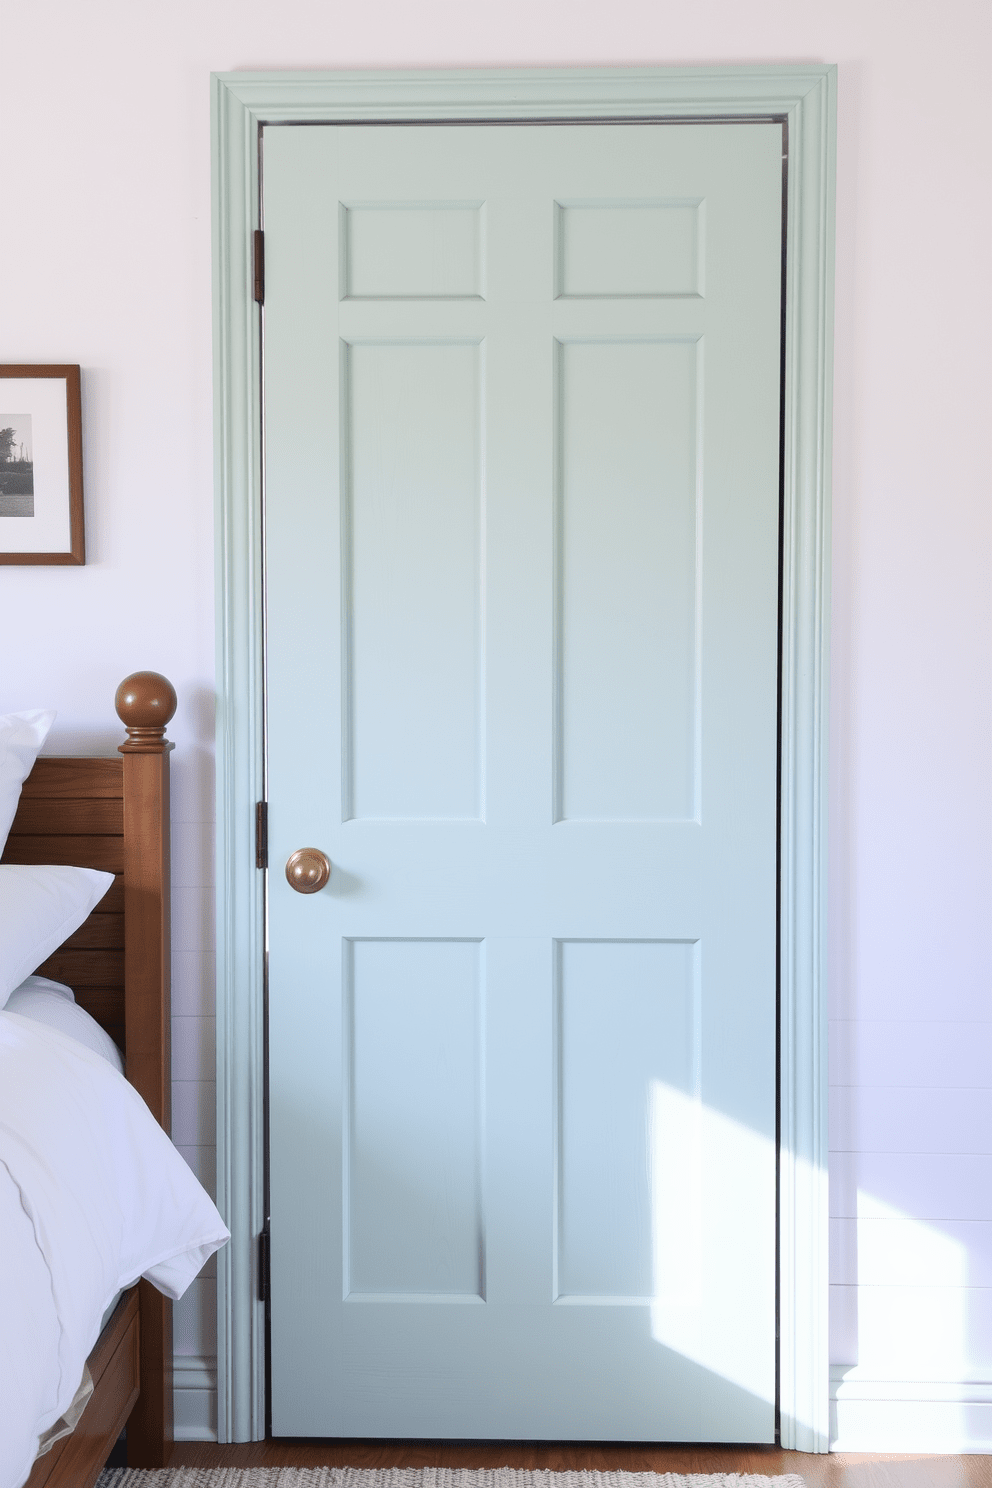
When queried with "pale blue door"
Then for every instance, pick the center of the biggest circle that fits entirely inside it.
(522, 474)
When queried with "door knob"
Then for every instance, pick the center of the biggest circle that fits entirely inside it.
(308, 870)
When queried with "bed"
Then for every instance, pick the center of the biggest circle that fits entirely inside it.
(113, 815)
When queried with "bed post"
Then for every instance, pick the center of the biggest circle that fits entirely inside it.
(145, 703)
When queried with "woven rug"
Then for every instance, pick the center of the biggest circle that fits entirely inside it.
(425, 1477)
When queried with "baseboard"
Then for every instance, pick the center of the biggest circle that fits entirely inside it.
(195, 1397)
(866, 1414)
(884, 1415)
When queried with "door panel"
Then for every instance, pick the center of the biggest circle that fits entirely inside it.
(412, 528)
(627, 1024)
(637, 248)
(522, 403)
(413, 1182)
(627, 582)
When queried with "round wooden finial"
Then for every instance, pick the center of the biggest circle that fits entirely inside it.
(145, 702)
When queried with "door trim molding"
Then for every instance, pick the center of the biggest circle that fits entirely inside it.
(241, 102)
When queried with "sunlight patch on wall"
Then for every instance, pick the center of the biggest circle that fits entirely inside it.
(912, 1298)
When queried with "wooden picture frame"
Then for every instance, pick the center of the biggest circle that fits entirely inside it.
(41, 465)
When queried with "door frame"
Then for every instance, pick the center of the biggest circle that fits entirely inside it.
(805, 98)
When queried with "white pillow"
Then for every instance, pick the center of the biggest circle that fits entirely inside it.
(40, 907)
(21, 736)
(53, 1004)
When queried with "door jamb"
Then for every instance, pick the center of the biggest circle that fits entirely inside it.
(805, 96)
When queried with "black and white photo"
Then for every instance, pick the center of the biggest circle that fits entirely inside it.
(16, 466)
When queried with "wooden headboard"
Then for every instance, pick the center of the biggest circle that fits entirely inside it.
(72, 811)
(114, 814)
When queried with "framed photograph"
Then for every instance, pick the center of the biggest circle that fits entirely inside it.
(41, 465)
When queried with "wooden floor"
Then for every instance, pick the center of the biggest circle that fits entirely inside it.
(836, 1470)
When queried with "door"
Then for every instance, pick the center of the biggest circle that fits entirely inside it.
(522, 469)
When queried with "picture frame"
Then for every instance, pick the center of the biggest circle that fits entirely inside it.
(41, 465)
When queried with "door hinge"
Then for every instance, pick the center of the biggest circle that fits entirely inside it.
(259, 266)
(261, 834)
(263, 1265)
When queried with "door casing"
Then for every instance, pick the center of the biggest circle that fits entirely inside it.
(805, 98)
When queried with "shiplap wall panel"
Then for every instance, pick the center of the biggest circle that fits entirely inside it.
(194, 1109)
(193, 1051)
(925, 1185)
(906, 1252)
(915, 1333)
(883, 1052)
(911, 1227)
(906, 1119)
(194, 1113)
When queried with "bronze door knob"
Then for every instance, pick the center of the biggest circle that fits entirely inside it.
(308, 870)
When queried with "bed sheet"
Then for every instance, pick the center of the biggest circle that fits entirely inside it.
(92, 1196)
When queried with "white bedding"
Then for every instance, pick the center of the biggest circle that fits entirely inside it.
(92, 1196)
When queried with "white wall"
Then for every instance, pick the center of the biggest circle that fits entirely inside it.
(105, 260)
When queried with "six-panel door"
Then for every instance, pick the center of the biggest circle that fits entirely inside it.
(522, 427)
